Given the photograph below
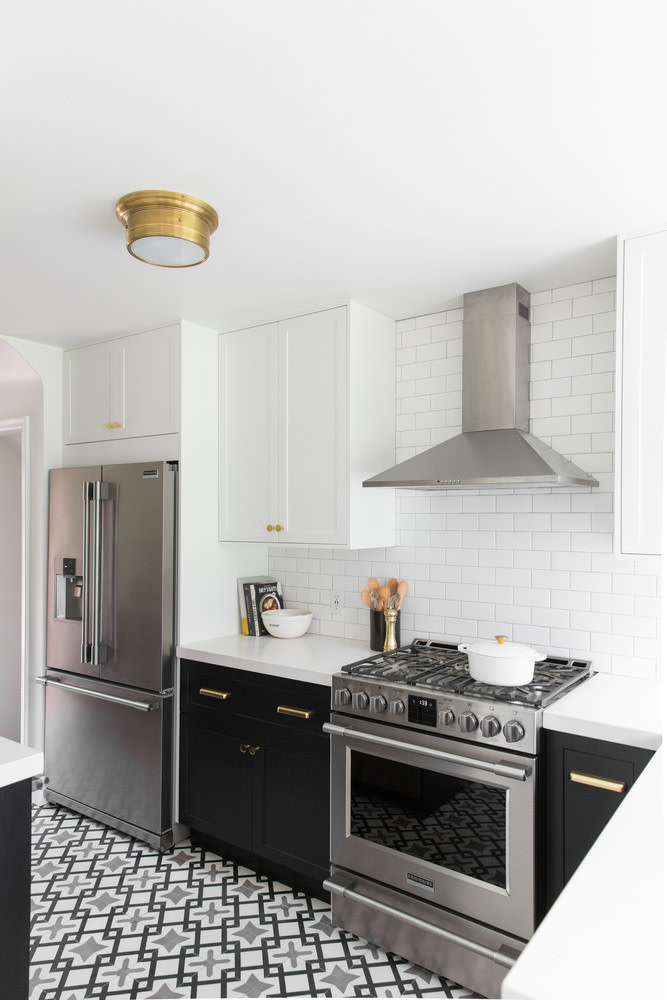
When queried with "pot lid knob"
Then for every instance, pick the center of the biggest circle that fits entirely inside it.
(500, 639)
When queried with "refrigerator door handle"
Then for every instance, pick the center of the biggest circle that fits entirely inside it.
(85, 598)
(142, 706)
(99, 652)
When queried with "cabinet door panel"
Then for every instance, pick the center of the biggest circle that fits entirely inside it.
(248, 435)
(147, 382)
(641, 386)
(90, 393)
(216, 784)
(313, 427)
(291, 807)
(589, 809)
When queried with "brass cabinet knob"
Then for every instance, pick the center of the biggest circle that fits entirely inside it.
(109, 427)
(244, 747)
(280, 527)
(270, 527)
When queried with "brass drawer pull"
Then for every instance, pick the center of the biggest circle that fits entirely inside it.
(607, 784)
(298, 713)
(249, 748)
(212, 693)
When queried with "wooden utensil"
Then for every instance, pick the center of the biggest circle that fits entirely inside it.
(384, 598)
(393, 585)
(373, 584)
(366, 598)
(402, 589)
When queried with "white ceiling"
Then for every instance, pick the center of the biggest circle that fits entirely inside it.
(399, 152)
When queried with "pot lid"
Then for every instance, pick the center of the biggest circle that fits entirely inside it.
(500, 647)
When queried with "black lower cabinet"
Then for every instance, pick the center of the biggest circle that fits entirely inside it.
(254, 771)
(586, 781)
(15, 890)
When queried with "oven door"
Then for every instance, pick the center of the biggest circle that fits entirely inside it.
(449, 822)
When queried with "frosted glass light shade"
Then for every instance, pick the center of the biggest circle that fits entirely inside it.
(166, 228)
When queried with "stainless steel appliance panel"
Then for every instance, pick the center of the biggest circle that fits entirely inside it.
(434, 939)
(138, 575)
(66, 537)
(391, 786)
(109, 752)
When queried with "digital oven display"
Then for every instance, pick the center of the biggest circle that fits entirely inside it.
(424, 711)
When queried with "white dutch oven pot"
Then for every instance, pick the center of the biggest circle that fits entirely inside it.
(497, 661)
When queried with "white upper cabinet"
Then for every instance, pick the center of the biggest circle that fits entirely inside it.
(306, 413)
(642, 332)
(123, 388)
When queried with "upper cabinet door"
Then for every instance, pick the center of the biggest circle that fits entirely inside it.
(249, 435)
(90, 393)
(147, 380)
(313, 427)
(306, 414)
(642, 323)
(123, 388)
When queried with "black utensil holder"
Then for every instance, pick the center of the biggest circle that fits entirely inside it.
(379, 630)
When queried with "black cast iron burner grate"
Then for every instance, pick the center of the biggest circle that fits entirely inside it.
(440, 666)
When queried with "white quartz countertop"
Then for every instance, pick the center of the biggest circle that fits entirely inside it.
(606, 707)
(604, 937)
(18, 762)
(313, 658)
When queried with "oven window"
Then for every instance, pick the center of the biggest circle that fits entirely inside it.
(453, 822)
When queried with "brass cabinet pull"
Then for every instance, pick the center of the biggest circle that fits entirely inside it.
(111, 427)
(270, 527)
(244, 747)
(299, 713)
(253, 750)
(249, 748)
(280, 527)
(607, 784)
(212, 693)
(275, 527)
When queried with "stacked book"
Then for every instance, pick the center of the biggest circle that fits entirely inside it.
(256, 596)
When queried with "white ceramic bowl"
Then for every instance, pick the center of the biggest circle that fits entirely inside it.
(287, 623)
(499, 662)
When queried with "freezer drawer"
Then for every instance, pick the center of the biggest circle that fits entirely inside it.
(108, 753)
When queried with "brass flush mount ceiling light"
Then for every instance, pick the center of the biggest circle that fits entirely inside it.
(167, 228)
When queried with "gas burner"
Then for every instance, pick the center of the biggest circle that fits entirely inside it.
(440, 666)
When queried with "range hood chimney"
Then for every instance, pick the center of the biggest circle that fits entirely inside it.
(495, 449)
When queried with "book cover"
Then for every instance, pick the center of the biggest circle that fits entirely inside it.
(265, 596)
(243, 584)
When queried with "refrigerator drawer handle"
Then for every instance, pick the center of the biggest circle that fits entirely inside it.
(504, 955)
(141, 706)
(502, 768)
(85, 599)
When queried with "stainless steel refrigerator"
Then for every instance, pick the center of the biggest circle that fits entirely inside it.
(110, 645)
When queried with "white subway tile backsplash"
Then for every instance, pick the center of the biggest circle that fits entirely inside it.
(538, 565)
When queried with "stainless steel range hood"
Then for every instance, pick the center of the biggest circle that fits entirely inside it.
(495, 449)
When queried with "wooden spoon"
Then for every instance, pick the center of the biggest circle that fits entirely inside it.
(384, 596)
(373, 584)
(366, 598)
(402, 589)
(393, 585)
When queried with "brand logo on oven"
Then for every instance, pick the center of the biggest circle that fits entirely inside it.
(421, 883)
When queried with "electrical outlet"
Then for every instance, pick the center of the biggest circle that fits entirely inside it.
(337, 598)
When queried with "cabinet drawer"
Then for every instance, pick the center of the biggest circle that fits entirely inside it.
(213, 692)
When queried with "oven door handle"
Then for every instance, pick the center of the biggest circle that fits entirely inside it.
(518, 772)
(504, 955)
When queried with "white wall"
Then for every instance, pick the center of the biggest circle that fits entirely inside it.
(36, 393)
(208, 600)
(538, 566)
(10, 585)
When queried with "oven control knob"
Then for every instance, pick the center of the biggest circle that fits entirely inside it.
(446, 718)
(396, 707)
(360, 699)
(342, 696)
(378, 703)
(467, 722)
(489, 726)
(513, 731)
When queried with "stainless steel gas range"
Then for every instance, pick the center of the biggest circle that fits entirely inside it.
(435, 808)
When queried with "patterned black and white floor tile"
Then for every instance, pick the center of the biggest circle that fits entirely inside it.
(113, 918)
